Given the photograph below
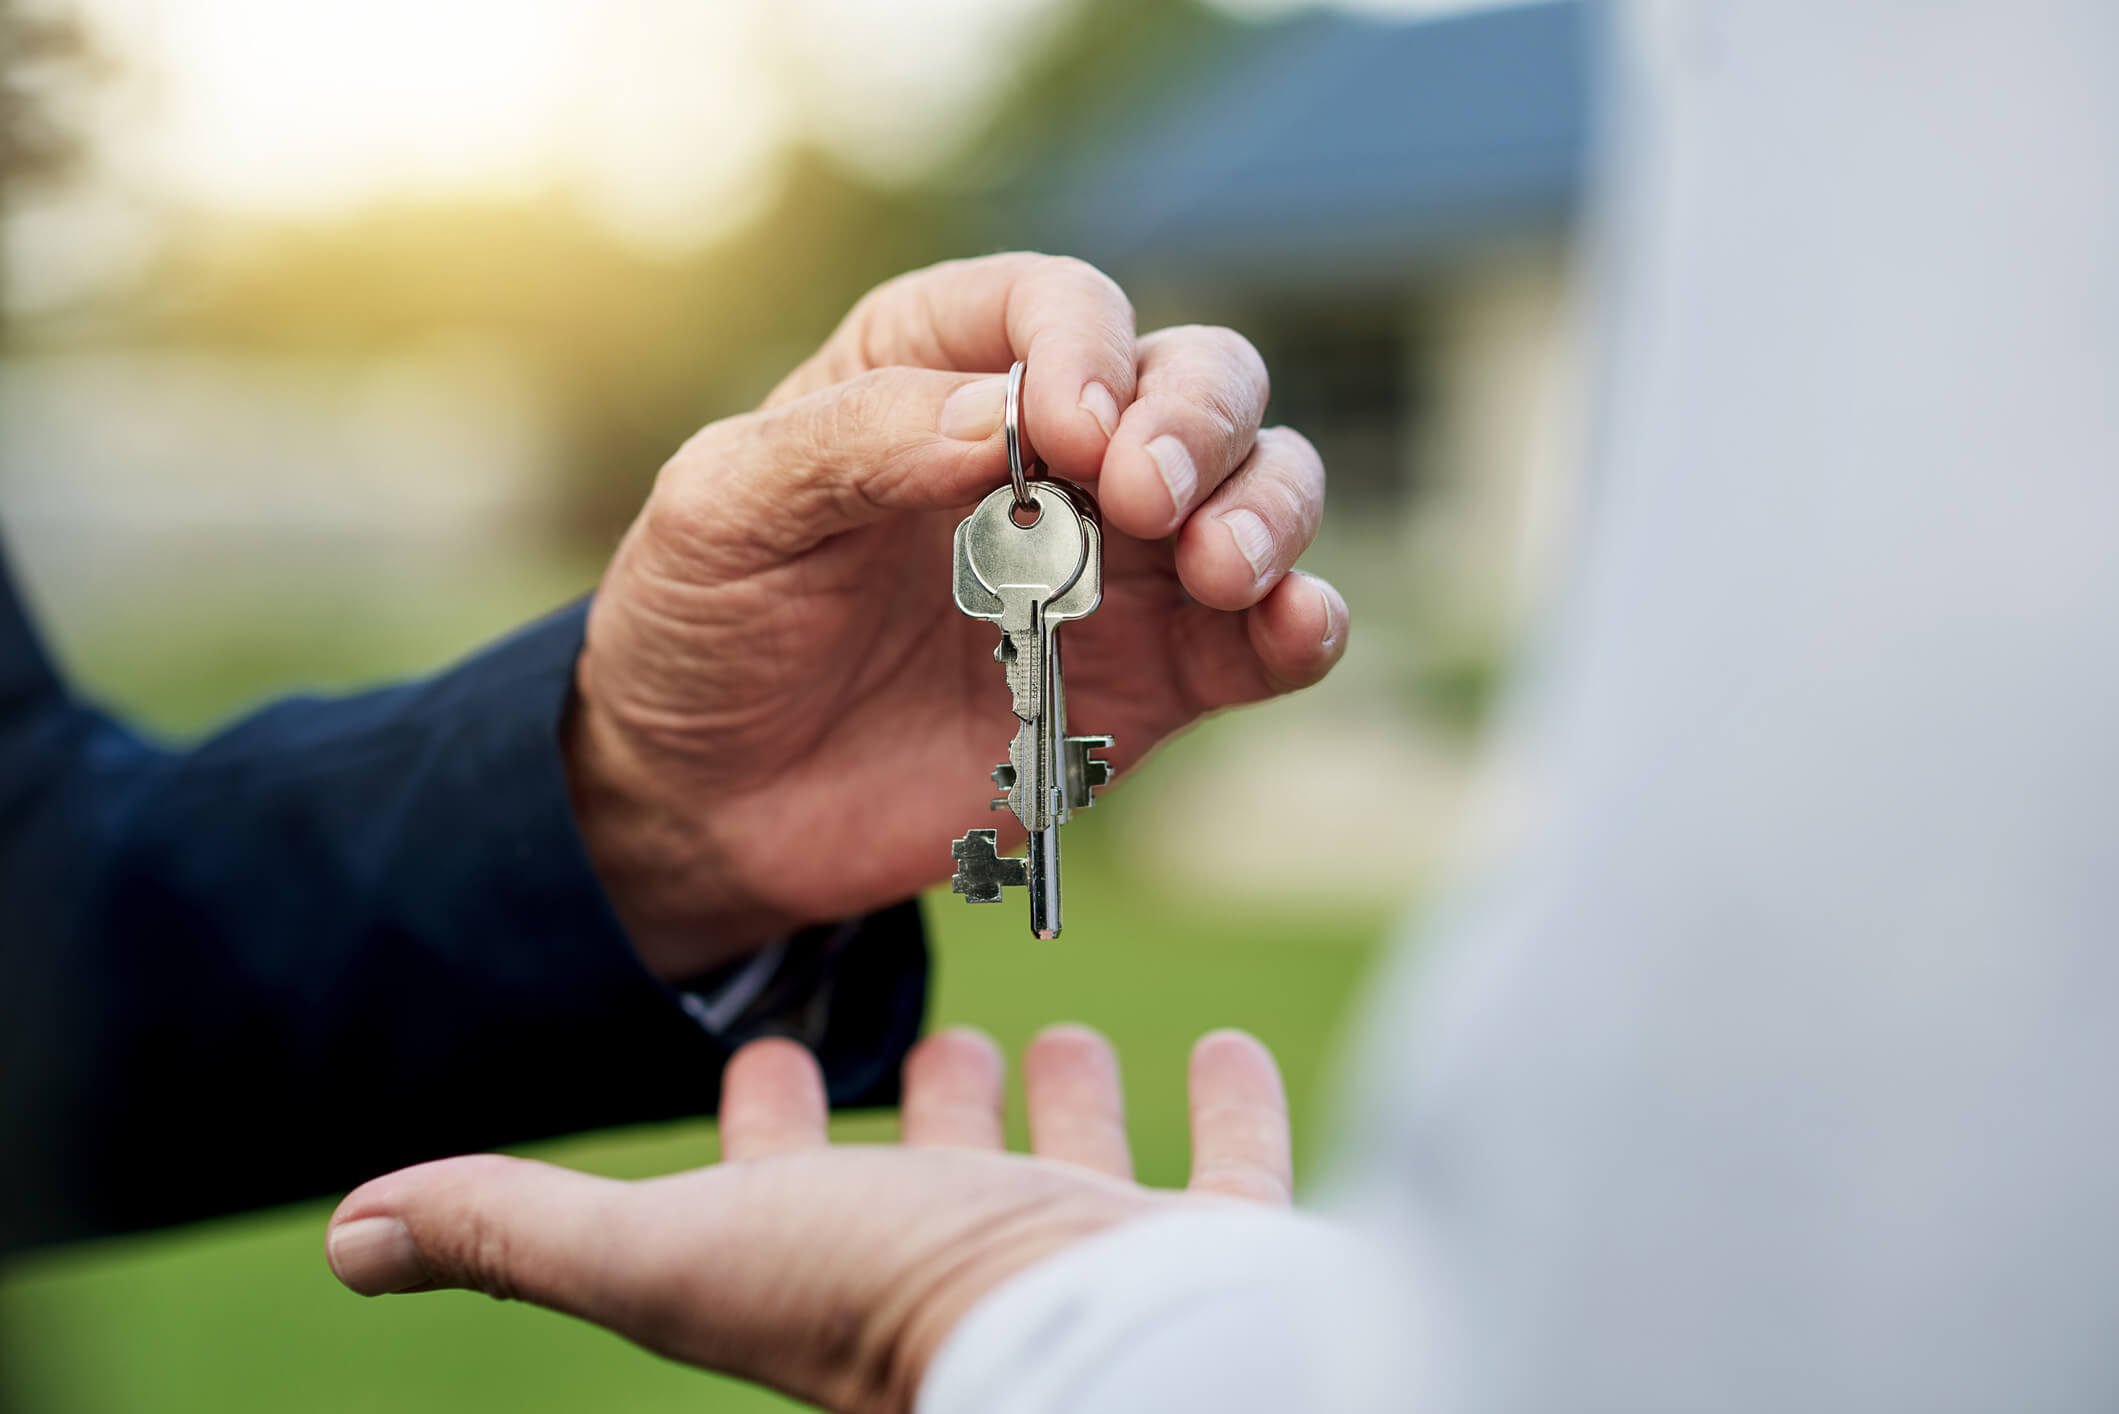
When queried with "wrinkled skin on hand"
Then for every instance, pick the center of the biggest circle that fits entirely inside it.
(781, 715)
(833, 1273)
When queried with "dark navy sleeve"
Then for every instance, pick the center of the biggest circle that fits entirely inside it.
(339, 937)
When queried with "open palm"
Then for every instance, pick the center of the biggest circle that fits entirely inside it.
(834, 1273)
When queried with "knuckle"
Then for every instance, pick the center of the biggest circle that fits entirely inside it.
(860, 340)
(1242, 365)
(672, 520)
(1295, 449)
(864, 309)
(1073, 267)
(1229, 346)
(676, 526)
(685, 526)
(484, 1253)
(1218, 432)
(863, 405)
(1251, 365)
(798, 461)
(1302, 476)
(488, 1258)
(1282, 506)
(1227, 411)
(1231, 357)
(1078, 271)
(1209, 395)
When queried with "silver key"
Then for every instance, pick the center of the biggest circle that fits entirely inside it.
(1020, 576)
(1030, 578)
(1035, 769)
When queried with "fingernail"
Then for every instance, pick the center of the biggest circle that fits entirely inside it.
(973, 412)
(1333, 625)
(375, 1256)
(1251, 537)
(1179, 476)
(1099, 404)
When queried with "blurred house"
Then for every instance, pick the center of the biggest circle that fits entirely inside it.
(1388, 209)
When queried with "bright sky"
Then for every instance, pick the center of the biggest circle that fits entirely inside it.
(664, 111)
(665, 114)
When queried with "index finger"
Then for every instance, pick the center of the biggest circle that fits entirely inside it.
(1070, 323)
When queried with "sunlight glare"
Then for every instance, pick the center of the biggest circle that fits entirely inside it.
(656, 109)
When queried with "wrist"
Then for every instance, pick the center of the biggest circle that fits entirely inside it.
(647, 840)
(938, 1300)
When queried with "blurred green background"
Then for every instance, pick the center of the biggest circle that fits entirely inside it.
(341, 338)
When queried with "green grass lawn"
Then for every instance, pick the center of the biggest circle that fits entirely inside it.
(243, 1314)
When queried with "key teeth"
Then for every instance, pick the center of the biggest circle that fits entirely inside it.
(981, 871)
(1085, 774)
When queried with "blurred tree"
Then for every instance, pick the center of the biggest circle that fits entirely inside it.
(1105, 70)
(33, 144)
(40, 56)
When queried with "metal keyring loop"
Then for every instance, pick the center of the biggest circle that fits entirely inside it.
(1013, 422)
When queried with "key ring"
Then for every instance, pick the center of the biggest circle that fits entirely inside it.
(1013, 421)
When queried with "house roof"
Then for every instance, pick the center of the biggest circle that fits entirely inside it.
(1336, 146)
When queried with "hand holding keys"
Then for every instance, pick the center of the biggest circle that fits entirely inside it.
(777, 713)
(1029, 558)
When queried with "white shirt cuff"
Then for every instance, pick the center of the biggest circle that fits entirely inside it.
(719, 1009)
(1228, 1307)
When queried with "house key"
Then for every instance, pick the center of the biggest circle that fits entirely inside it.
(1029, 558)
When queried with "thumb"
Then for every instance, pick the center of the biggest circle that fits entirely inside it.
(508, 1227)
(887, 442)
(749, 1268)
(682, 1265)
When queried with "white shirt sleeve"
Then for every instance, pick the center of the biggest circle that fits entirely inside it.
(1227, 1307)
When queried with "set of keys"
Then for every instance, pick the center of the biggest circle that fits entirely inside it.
(1030, 558)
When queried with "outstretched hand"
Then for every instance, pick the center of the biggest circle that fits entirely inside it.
(833, 1273)
(783, 718)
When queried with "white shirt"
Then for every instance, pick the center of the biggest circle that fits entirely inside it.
(1777, 1067)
